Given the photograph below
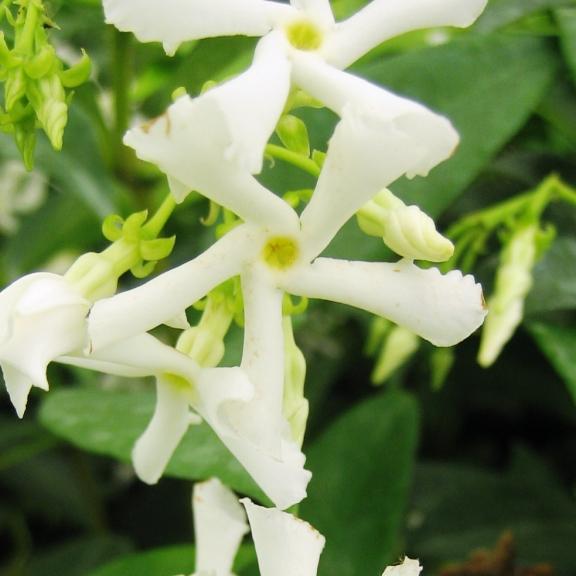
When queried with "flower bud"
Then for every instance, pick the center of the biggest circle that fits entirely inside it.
(398, 348)
(405, 229)
(48, 98)
(294, 135)
(513, 282)
(295, 406)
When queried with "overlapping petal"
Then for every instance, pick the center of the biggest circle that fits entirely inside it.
(219, 525)
(279, 473)
(380, 138)
(381, 20)
(285, 545)
(164, 297)
(443, 309)
(175, 21)
(170, 421)
(41, 317)
(215, 142)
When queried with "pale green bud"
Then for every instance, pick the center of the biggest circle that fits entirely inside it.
(295, 406)
(94, 276)
(48, 98)
(405, 229)
(294, 135)
(513, 282)
(398, 348)
(14, 88)
(204, 343)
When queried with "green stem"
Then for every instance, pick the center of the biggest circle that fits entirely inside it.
(293, 158)
(154, 226)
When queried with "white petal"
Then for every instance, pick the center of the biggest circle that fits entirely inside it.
(380, 138)
(281, 474)
(384, 19)
(319, 10)
(41, 317)
(175, 21)
(18, 386)
(443, 309)
(170, 421)
(180, 322)
(408, 567)
(285, 545)
(214, 143)
(167, 295)
(262, 419)
(219, 525)
(136, 357)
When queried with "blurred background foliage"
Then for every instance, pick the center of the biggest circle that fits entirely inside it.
(431, 464)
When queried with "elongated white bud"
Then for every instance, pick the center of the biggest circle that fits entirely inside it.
(405, 229)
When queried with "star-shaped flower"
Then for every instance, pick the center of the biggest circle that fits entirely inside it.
(302, 46)
(276, 251)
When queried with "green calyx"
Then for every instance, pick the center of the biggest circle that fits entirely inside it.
(35, 80)
(135, 247)
(304, 35)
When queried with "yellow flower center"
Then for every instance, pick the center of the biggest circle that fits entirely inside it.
(280, 252)
(304, 35)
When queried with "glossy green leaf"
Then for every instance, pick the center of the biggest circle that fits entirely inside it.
(109, 423)
(500, 13)
(457, 509)
(566, 19)
(554, 279)
(162, 561)
(165, 562)
(488, 87)
(77, 557)
(362, 471)
(559, 345)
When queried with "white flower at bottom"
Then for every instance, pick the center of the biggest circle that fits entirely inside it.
(285, 545)
(42, 316)
(220, 396)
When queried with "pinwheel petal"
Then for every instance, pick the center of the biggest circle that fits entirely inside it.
(170, 421)
(381, 20)
(380, 138)
(285, 545)
(164, 297)
(175, 21)
(214, 143)
(443, 309)
(219, 525)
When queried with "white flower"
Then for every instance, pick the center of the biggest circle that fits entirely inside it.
(276, 251)
(285, 545)
(302, 45)
(214, 394)
(42, 316)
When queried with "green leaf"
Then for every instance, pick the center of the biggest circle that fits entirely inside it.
(166, 561)
(566, 19)
(487, 86)
(559, 345)
(162, 561)
(78, 557)
(457, 509)
(362, 470)
(109, 422)
(554, 279)
(500, 13)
